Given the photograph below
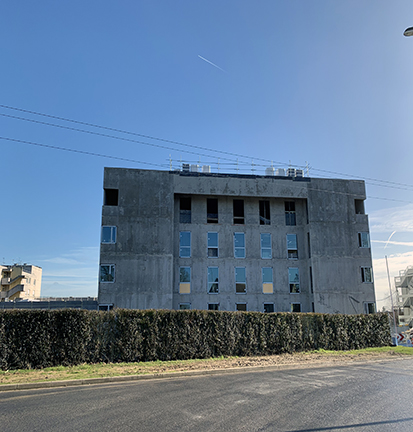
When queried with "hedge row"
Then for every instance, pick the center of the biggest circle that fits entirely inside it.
(39, 338)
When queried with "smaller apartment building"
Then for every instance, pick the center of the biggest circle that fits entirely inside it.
(20, 282)
(192, 240)
(404, 288)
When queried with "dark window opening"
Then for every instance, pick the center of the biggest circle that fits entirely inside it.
(312, 307)
(290, 213)
(241, 307)
(311, 281)
(111, 197)
(213, 306)
(295, 307)
(212, 210)
(185, 210)
(265, 213)
(359, 205)
(268, 307)
(106, 307)
(238, 211)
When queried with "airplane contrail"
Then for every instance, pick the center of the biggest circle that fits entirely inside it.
(213, 64)
(391, 235)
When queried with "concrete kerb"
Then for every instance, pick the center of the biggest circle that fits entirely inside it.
(170, 375)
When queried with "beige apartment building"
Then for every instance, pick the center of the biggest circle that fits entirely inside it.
(20, 282)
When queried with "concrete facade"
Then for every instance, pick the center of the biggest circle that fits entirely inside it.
(20, 282)
(293, 243)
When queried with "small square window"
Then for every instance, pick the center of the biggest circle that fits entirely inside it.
(364, 239)
(212, 210)
(295, 307)
(212, 238)
(242, 307)
(213, 306)
(108, 235)
(369, 307)
(269, 307)
(111, 197)
(107, 273)
(366, 275)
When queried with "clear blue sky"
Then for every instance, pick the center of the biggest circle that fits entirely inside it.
(324, 82)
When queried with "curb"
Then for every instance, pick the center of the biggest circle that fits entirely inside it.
(169, 375)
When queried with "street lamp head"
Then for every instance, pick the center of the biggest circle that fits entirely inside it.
(408, 31)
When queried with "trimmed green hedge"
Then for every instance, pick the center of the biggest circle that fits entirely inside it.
(38, 338)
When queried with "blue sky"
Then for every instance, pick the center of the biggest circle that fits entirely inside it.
(328, 83)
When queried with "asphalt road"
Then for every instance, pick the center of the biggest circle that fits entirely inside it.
(356, 397)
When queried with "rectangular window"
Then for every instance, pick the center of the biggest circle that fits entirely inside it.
(294, 280)
(369, 308)
(239, 245)
(290, 213)
(359, 206)
(111, 197)
(212, 238)
(184, 306)
(366, 275)
(108, 234)
(364, 239)
(269, 307)
(265, 213)
(240, 280)
(184, 210)
(105, 307)
(213, 280)
(267, 282)
(213, 306)
(185, 244)
(266, 250)
(295, 307)
(241, 307)
(292, 251)
(238, 206)
(212, 210)
(184, 280)
(312, 307)
(107, 273)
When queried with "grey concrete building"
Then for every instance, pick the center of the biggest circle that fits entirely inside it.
(183, 239)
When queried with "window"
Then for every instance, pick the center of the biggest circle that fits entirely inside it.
(213, 280)
(184, 306)
(369, 307)
(184, 280)
(105, 307)
(185, 210)
(294, 280)
(269, 307)
(312, 307)
(290, 213)
(185, 244)
(108, 234)
(359, 206)
(242, 307)
(213, 306)
(266, 252)
(364, 239)
(238, 211)
(107, 273)
(239, 245)
(212, 210)
(366, 275)
(240, 280)
(212, 238)
(111, 197)
(265, 213)
(292, 251)
(295, 307)
(267, 282)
